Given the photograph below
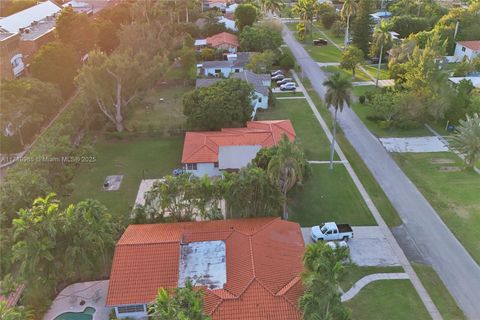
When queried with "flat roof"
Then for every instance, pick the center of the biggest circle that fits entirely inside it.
(24, 18)
(204, 263)
(236, 157)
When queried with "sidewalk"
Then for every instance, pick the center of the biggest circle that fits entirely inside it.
(422, 292)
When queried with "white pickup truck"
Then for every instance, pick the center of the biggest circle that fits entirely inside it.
(330, 231)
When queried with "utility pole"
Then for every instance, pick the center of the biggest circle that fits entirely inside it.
(456, 30)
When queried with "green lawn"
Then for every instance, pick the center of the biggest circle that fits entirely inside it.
(288, 94)
(338, 40)
(353, 273)
(362, 90)
(388, 299)
(454, 194)
(135, 159)
(151, 114)
(309, 132)
(363, 111)
(375, 192)
(438, 292)
(329, 195)
(372, 69)
(359, 74)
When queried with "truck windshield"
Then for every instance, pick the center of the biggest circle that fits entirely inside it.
(324, 229)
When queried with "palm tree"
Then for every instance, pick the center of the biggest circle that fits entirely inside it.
(339, 93)
(287, 168)
(12, 313)
(273, 6)
(349, 9)
(301, 31)
(467, 139)
(381, 37)
(307, 10)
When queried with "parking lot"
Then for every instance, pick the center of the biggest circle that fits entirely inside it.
(369, 247)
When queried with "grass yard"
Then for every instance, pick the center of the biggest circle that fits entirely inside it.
(288, 94)
(372, 69)
(353, 273)
(375, 192)
(438, 292)
(338, 40)
(359, 74)
(363, 111)
(329, 195)
(309, 132)
(151, 114)
(452, 191)
(388, 299)
(135, 159)
(328, 53)
(362, 90)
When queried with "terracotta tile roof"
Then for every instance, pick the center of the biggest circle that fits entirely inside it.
(263, 263)
(474, 45)
(203, 146)
(223, 38)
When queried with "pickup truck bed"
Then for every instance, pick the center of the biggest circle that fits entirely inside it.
(344, 228)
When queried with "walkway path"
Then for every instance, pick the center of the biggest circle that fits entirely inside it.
(437, 244)
(355, 289)
(427, 301)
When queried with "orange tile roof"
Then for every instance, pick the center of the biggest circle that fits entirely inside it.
(474, 45)
(222, 38)
(263, 264)
(202, 146)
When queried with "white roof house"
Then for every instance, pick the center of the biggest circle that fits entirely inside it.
(23, 19)
(229, 24)
(231, 8)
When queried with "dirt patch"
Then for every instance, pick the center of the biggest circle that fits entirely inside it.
(449, 169)
(441, 161)
(461, 211)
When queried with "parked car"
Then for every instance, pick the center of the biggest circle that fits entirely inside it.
(320, 42)
(274, 73)
(330, 231)
(284, 80)
(289, 86)
(177, 172)
(278, 77)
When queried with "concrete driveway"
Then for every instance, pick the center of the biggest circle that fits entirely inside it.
(369, 247)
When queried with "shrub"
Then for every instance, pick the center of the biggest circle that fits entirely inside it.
(361, 99)
(286, 61)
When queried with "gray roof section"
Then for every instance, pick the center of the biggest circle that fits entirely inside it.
(241, 61)
(201, 83)
(260, 82)
(236, 157)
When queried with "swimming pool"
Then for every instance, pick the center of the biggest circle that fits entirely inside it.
(87, 314)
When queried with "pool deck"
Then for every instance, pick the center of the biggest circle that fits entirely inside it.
(93, 293)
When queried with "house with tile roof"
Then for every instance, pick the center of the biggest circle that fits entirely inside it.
(260, 82)
(248, 268)
(236, 62)
(211, 152)
(467, 49)
(222, 41)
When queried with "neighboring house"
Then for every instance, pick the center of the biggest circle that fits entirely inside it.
(229, 23)
(249, 268)
(475, 80)
(90, 7)
(231, 149)
(260, 82)
(223, 41)
(467, 49)
(231, 8)
(235, 63)
(23, 33)
(219, 4)
(378, 16)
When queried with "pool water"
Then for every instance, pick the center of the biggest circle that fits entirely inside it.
(87, 314)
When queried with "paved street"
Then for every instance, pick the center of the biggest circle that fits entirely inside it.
(433, 239)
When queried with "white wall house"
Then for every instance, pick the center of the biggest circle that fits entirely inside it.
(231, 149)
(467, 49)
(235, 63)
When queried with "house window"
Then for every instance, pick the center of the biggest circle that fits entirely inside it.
(191, 166)
(237, 70)
(131, 308)
(218, 70)
(463, 49)
(215, 164)
(260, 100)
(17, 61)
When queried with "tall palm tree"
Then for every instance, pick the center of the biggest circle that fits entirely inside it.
(467, 139)
(307, 10)
(339, 93)
(287, 168)
(381, 37)
(349, 9)
(273, 6)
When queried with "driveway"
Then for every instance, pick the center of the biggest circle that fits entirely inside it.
(369, 247)
(435, 242)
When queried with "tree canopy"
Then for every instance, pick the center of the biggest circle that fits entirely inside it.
(76, 29)
(467, 139)
(227, 103)
(245, 15)
(351, 58)
(259, 38)
(361, 29)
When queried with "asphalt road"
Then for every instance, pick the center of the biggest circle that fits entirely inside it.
(435, 242)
